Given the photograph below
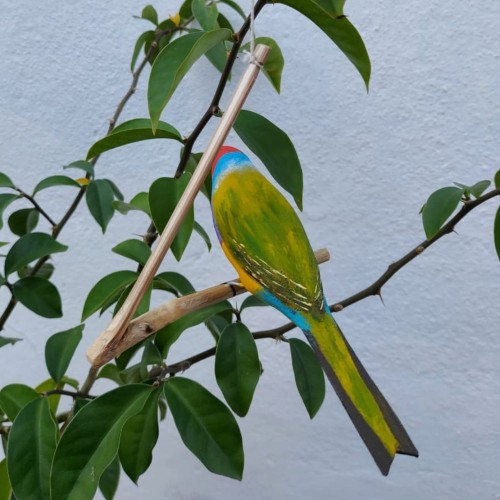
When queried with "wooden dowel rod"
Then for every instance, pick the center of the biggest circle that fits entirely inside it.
(105, 348)
(119, 323)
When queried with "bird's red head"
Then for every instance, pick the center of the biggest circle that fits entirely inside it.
(222, 151)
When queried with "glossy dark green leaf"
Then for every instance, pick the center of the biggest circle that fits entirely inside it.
(206, 426)
(273, 66)
(439, 207)
(136, 250)
(23, 221)
(496, 232)
(143, 306)
(151, 355)
(5, 200)
(309, 376)
(133, 131)
(59, 350)
(14, 397)
(53, 399)
(216, 325)
(235, 6)
(149, 13)
(31, 446)
(164, 194)
(172, 64)
(173, 282)
(116, 191)
(479, 188)
(237, 367)
(204, 235)
(90, 442)
(224, 22)
(5, 181)
(108, 484)
(139, 437)
(143, 38)
(274, 148)
(497, 179)
(111, 372)
(55, 180)
(169, 334)
(99, 197)
(185, 10)
(46, 270)
(8, 341)
(86, 166)
(140, 202)
(218, 57)
(191, 165)
(252, 301)
(328, 16)
(38, 295)
(5, 487)
(205, 13)
(106, 288)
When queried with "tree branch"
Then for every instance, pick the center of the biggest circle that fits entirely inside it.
(73, 394)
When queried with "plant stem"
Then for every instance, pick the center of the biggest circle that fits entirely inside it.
(37, 206)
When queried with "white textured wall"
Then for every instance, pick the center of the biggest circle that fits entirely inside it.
(432, 117)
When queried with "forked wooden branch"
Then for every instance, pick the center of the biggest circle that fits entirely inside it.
(106, 347)
(118, 325)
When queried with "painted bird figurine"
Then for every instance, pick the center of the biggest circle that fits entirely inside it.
(264, 240)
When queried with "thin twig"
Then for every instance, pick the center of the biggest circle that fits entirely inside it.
(37, 206)
(73, 394)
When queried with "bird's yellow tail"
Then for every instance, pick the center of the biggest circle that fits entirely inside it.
(374, 419)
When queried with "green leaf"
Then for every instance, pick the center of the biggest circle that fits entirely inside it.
(59, 350)
(439, 207)
(237, 367)
(169, 334)
(108, 484)
(172, 64)
(111, 372)
(273, 66)
(173, 282)
(199, 229)
(164, 194)
(45, 271)
(90, 442)
(99, 197)
(143, 38)
(8, 340)
(55, 180)
(139, 437)
(5, 181)
(218, 57)
(206, 426)
(151, 355)
(479, 188)
(252, 301)
(5, 488)
(5, 200)
(38, 295)
(149, 13)
(235, 6)
(496, 232)
(223, 22)
(23, 221)
(131, 131)
(31, 446)
(53, 399)
(185, 10)
(116, 192)
(497, 179)
(191, 165)
(86, 166)
(106, 288)
(31, 247)
(143, 306)
(308, 376)
(14, 397)
(328, 16)
(274, 148)
(136, 250)
(206, 14)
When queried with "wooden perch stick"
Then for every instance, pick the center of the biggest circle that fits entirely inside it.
(106, 347)
(119, 323)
